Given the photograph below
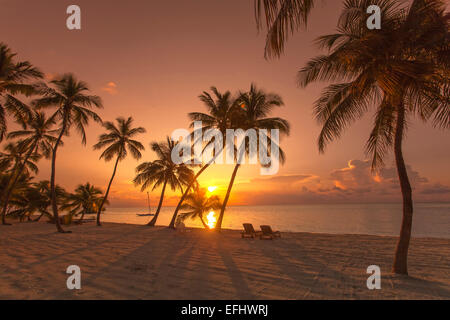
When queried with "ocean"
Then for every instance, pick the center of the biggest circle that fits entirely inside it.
(430, 219)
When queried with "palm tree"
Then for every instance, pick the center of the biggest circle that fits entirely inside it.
(37, 140)
(281, 18)
(256, 105)
(198, 204)
(163, 171)
(44, 199)
(18, 195)
(20, 164)
(73, 109)
(400, 70)
(86, 199)
(221, 109)
(13, 75)
(119, 142)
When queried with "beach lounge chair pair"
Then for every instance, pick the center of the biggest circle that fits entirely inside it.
(265, 233)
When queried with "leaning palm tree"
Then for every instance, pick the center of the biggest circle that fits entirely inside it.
(255, 107)
(36, 140)
(163, 172)
(118, 142)
(281, 18)
(401, 70)
(14, 76)
(221, 110)
(198, 204)
(20, 164)
(73, 109)
(86, 199)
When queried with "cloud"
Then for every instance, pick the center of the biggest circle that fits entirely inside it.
(111, 88)
(351, 184)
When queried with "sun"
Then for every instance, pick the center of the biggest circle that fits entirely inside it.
(212, 188)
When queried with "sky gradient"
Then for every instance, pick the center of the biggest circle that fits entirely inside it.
(151, 59)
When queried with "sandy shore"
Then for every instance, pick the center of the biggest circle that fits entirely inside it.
(137, 262)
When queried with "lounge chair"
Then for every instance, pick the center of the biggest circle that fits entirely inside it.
(249, 231)
(267, 233)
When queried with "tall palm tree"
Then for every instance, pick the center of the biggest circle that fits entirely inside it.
(221, 109)
(256, 105)
(118, 142)
(401, 70)
(73, 109)
(198, 204)
(86, 199)
(21, 164)
(13, 77)
(37, 139)
(281, 18)
(163, 171)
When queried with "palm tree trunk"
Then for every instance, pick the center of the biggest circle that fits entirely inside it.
(107, 192)
(82, 216)
(10, 187)
(400, 265)
(186, 192)
(38, 218)
(227, 196)
(203, 222)
(52, 182)
(153, 221)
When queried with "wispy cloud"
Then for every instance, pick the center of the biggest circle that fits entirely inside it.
(111, 88)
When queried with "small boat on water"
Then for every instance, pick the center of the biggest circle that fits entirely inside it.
(149, 214)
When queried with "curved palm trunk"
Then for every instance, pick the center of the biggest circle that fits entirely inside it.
(106, 194)
(82, 216)
(400, 265)
(186, 192)
(52, 182)
(10, 188)
(161, 198)
(227, 196)
(203, 222)
(38, 218)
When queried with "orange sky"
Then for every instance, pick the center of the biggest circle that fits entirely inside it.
(151, 60)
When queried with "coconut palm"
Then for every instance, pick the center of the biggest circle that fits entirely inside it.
(198, 204)
(14, 76)
(401, 70)
(43, 200)
(73, 109)
(86, 199)
(20, 164)
(163, 172)
(221, 110)
(255, 108)
(118, 142)
(17, 198)
(36, 140)
(281, 18)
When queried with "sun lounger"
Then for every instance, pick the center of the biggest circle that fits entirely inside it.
(249, 231)
(267, 233)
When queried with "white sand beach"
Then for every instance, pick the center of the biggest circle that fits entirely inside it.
(136, 262)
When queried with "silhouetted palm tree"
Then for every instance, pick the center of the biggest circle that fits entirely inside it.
(36, 140)
(15, 158)
(118, 142)
(221, 109)
(163, 171)
(86, 199)
(255, 107)
(198, 204)
(400, 70)
(281, 18)
(73, 109)
(13, 78)
(44, 199)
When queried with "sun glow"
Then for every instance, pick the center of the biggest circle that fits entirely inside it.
(211, 220)
(212, 188)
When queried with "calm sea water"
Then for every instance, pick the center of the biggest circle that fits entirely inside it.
(430, 219)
